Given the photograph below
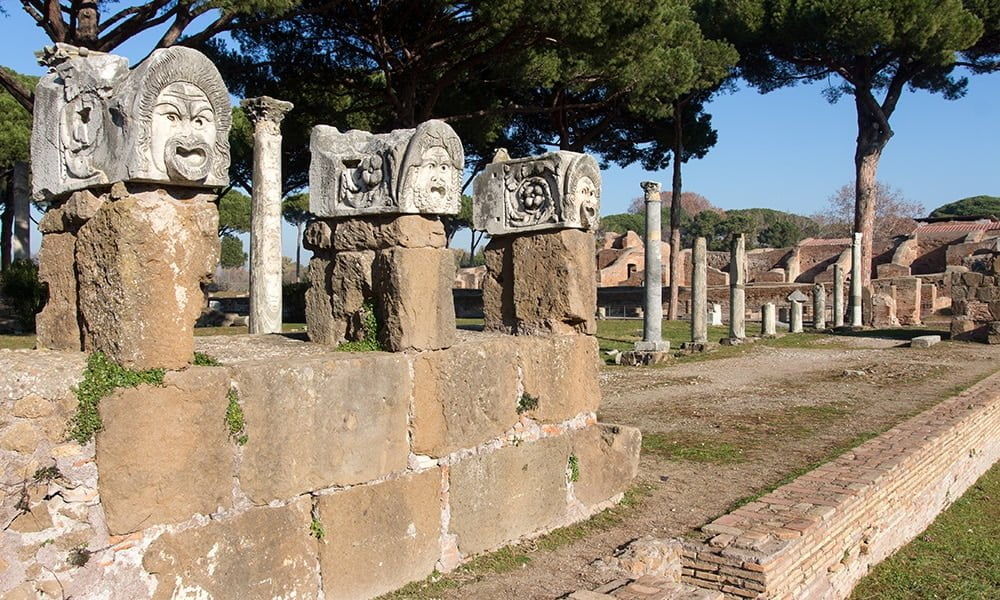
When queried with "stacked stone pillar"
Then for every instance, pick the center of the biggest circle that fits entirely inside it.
(133, 230)
(266, 113)
(838, 296)
(737, 289)
(380, 270)
(819, 306)
(699, 292)
(540, 212)
(856, 279)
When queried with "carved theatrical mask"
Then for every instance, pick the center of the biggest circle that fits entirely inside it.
(557, 190)
(406, 171)
(182, 133)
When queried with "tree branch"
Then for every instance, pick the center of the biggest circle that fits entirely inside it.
(23, 95)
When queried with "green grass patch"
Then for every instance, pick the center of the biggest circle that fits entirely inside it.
(242, 329)
(204, 360)
(682, 446)
(17, 342)
(805, 340)
(957, 557)
(100, 378)
(469, 324)
(235, 421)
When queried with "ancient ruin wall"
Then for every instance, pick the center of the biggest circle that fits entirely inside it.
(817, 536)
(358, 472)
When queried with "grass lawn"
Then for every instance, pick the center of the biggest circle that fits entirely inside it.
(957, 557)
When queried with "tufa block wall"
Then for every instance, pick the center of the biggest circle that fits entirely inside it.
(975, 304)
(347, 485)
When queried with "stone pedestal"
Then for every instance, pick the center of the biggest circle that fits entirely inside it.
(819, 306)
(699, 292)
(796, 318)
(395, 266)
(768, 327)
(838, 296)
(265, 213)
(541, 282)
(737, 291)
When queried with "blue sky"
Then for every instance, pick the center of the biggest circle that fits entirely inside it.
(788, 150)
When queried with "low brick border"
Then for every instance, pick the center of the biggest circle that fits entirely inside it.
(816, 537)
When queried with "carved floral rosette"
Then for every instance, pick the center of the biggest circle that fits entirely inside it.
(406, 171)
(96, 122)
(558, 190)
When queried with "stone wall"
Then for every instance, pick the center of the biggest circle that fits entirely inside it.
(817, 536)
(975, 307)
(358, 473)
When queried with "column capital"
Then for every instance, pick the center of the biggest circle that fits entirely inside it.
(265, 109)
(652, 190)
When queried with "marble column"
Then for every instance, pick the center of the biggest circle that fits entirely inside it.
(819, 306)
(767, 322)
(737, 291)
(699, 292)
(856, 278)
(21, 240)
(838, 296)
(796, 318)
(265, 213)
(652, 336)
(715, 316)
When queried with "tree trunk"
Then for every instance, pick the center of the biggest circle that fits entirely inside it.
(85, 23)
(7, 225)
(298, 250)
(675, 215)
(872, 138)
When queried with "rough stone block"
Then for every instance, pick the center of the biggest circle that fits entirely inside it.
(261, 553)
(406, 171)
(57, 325)
(339, 287)
(381, 536)
(924, 341)
(378, 232)
(964, 328)
(464, 396)
(140, 264)
(542, 283)
(414, 298)
(561, 373)
(993, 332)
(317, 422)
(551, 191)
(499, 497)
(608, 461)
(888, 270)
(164, 453)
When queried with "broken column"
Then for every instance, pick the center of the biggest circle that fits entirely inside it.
(540, 212)
(130, 162)
(795, 325)
(715, 315)
(819, 306)
(699, 292)
(838, 296)
(737, 291)
(856, 278)
(380, 269)
(21, 197)
(266, 114)
(768, 326)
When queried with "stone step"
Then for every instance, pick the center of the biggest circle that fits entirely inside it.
(648, 587)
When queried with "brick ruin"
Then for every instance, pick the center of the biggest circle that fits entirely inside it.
(292, 469)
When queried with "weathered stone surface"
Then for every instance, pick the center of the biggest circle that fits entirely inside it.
(318, 235)
(608, 461)
(561, 373)
(551, 287)
(925, 341)
(96, 122)
(551, 191)
(57, 325)
(164, 454)
(140, 264)
(464, 396)
(414, 298)
(406, 171)
(381, 536)
(499, 497)
(262, 553)
(20, 437)
(339, 288)
(379, 232)
(318, 422)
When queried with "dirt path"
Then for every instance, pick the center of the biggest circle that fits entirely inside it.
(717, 431)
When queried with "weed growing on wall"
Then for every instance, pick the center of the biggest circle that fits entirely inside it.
(574, 468)
(316, 529)
(79, 556)
(526, 402)
(234, 419)
(203, 360)
(100, 378)
(371, 326)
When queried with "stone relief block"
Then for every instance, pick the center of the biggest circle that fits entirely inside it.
(558, 190)
(96, 122)
(406, 171)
